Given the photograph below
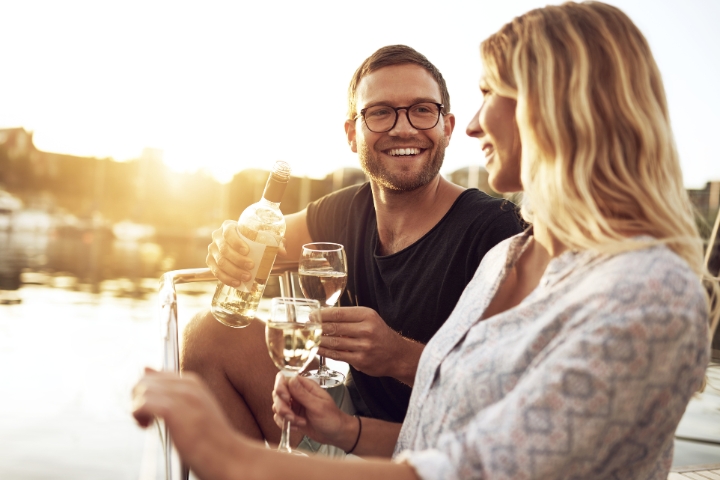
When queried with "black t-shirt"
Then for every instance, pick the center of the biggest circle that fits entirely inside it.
(415, 289)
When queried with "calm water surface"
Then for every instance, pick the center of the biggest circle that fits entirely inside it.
(69, 361)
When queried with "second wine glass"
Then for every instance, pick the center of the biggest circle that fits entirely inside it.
(323, 274)
(292, 335)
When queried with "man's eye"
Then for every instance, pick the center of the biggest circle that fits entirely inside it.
(423, 109)
(378, 112)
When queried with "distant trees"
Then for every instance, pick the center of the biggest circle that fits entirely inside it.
(144, 190)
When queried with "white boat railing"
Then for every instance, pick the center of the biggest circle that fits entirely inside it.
(174, 469)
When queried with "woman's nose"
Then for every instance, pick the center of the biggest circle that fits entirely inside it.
(473, 129)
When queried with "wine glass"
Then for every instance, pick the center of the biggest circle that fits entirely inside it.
(292, 334)
(323, 274)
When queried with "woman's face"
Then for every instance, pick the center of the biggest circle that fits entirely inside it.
(494, 125)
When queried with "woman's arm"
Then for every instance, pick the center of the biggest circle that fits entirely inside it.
(214, 451)
(259, 463)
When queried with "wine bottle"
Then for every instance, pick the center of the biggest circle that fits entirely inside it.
(262, 227)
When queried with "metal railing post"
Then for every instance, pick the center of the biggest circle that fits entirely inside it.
(174, 469)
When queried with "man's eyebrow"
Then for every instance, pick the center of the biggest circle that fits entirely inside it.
(392, 104)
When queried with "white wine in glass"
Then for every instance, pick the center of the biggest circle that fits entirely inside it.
(322, 271)
(292, 334)
(323, 286)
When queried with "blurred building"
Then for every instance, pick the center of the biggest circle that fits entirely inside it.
(142, 190)
(706, 200)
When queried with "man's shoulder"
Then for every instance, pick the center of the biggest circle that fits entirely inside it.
(476, 206)
(328, 216)
(475, 197)
(346, 195)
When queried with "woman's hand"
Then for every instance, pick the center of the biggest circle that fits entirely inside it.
(313, 412)
(199, 428)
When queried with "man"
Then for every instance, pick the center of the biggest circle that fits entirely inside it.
(413, 240)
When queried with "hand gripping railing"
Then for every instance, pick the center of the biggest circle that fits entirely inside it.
(171, 349)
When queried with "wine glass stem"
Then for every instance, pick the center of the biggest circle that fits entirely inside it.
(322, 369)
(285, 438)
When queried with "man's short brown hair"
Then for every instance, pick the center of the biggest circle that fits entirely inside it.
(389, 56)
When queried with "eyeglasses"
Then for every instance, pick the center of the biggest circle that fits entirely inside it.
(382, 118)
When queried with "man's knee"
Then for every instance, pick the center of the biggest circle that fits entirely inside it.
(196, 336)
(209, 344)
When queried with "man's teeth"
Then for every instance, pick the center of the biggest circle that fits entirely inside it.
(404, 151)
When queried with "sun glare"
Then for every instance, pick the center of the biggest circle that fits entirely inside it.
(229, 86)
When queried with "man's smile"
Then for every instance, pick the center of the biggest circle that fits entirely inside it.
(402, 152)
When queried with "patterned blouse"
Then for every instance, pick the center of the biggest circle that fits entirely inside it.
(587, 378)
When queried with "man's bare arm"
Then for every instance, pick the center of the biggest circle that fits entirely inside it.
(296, 234)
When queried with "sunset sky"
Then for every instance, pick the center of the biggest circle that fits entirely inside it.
(225, 86)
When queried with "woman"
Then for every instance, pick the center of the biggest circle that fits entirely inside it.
(576, 347)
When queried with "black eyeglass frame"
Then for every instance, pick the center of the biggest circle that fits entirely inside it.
(407, 115)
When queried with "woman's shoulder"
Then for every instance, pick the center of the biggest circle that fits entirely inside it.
(656, 265)
(644, 286)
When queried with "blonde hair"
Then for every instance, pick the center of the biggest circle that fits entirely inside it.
(599, 163)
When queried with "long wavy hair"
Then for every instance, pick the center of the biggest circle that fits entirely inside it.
(599, 163)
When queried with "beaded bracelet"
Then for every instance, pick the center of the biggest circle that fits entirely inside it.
(358, 436)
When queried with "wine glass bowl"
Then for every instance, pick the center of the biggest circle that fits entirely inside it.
(322, 271)
(292, 334)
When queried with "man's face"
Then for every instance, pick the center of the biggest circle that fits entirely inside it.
(402, 159)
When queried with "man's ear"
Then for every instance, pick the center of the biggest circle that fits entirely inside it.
(350, 133)
(449, 125)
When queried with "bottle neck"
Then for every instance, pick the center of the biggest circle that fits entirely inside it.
(274, 189)
(270, 204)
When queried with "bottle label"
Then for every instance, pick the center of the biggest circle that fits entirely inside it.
(263, 257)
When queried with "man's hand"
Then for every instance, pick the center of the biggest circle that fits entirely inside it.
(226, 255)
(358, 336)
(227, 252)
(313, 412)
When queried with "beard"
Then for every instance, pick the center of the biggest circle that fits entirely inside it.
(405, 180)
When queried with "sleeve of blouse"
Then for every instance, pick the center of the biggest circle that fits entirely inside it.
(605, 394)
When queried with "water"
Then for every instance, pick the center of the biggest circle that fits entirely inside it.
(69, 360)
(71, 349)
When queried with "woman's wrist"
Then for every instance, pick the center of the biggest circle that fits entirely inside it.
(218, 456)
(245, 458)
